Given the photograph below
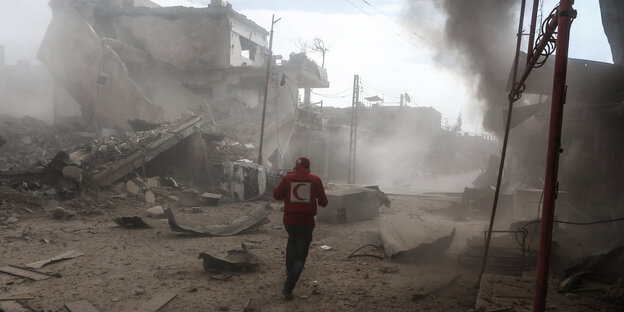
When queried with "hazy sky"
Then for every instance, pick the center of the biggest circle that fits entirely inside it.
(364, 37)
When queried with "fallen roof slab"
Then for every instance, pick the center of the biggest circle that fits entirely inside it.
(252, 219)
(122, 167)
(235, 261)
(403, 233)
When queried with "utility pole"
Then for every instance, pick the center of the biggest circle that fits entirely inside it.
(353, 137)
(266, 87)
(564, 15)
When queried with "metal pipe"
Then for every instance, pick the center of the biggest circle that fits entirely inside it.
(266, 88)
(532, 32)
(505, 140)
(565, 15)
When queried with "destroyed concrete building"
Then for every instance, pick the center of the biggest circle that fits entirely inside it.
(155, 64)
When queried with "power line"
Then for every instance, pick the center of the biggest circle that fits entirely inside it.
(383, 13)
(382, 24)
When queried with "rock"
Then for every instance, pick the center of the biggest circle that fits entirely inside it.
(173, 198)
(120, 185)
(51, 191)
(12, 220)
(26, 140)
(132, 187)
(149, 197)
(189, 198)
(152, 182)
(62, 214)
(156, 211)
(73, 173)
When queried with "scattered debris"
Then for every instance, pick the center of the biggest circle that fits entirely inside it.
(153, 182)
(379, 254)
(64, 256)
(436, 290)
(15, 297)
(237, 260)
(326, 247)
(26, 273)
(150, 198)
(73, 173)
(212, 199)
(80, 306)
(59, 213)
(132, 223)
(156, 211)
(252, 219)
(132, 187)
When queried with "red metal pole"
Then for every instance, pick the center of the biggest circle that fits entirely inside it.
(565, 15)
(504, 150)
(532, 32)
(266, 89)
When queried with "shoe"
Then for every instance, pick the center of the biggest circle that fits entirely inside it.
(288, 296)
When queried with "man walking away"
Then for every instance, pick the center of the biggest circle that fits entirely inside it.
(300, 191)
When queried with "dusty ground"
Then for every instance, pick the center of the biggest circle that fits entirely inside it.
(124, 268)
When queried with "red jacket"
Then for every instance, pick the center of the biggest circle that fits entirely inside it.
(300, 191)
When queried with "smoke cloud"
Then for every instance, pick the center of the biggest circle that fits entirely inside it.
(477, 40)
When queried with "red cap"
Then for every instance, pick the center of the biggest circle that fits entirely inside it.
(302, 162)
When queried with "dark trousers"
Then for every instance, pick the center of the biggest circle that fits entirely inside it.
(299, 238)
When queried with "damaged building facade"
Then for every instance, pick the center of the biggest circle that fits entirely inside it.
(127, 60)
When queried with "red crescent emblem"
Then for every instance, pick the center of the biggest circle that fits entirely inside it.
(296, 191)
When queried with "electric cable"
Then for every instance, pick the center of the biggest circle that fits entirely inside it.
(383, 13)
(382, 24)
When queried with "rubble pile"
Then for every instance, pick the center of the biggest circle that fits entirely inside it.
(233, 150)
(28, 141)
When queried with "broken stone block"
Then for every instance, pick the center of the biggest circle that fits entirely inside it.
(173, 198)
(26, 140)
(132, 187)
(12, 220)
(149, 197)
(152, 182)
(211, 199)
(157, 211)
(73, 173)
(189, 198)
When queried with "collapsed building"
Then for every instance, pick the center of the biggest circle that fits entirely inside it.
(125, 60)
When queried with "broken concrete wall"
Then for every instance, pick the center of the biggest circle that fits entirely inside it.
(92, 72)
(190, 43)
